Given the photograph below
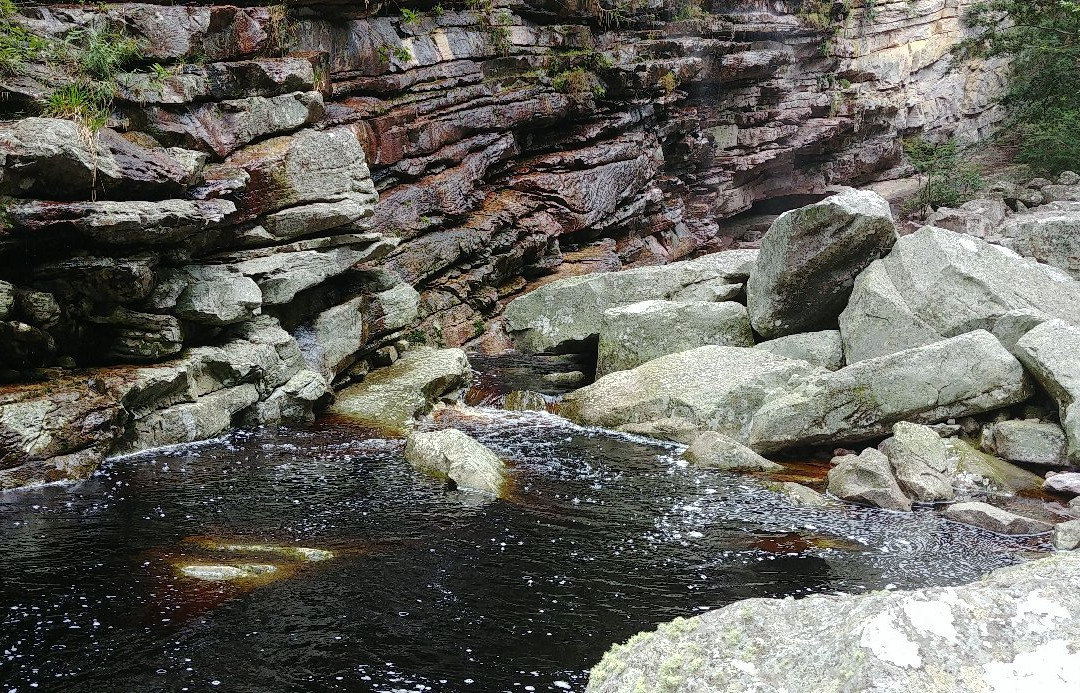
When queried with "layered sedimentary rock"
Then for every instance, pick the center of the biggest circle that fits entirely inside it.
(351, 175)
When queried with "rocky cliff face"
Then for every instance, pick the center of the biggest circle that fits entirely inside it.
(274, 195)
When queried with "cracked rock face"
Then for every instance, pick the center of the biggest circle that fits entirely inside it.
(1026, 627)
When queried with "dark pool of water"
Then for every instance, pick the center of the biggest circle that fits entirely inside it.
(605, 535)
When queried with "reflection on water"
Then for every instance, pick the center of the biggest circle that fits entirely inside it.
(607, 535)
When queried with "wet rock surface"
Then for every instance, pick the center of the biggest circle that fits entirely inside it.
(451, 454)
(881, 641)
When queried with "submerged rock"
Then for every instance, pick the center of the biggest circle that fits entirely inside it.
(568, 311)
(634, 334)
(300, 553)
(525, 400)
(1009, 631)
(717, 451)
(867, 479)
(824, 349)
(391, 398)
(937, 284)
(809, 260)
(711, 388)
(994, 519)
(957, 377)
(227, 572)
(451, 454)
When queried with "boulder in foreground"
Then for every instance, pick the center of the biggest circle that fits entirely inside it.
(810, 257)
(450, 454)
(1014, 630)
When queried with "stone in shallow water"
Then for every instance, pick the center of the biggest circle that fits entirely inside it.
(995, 519)
(453, 455)
(717, 451)
(301, 553)
(227, 572)
(1008, 631)
(921, 462)
(802, 495)
(1067, 484)
(867, 479)
(391, 398)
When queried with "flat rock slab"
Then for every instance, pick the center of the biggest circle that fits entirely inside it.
(1010, 631)
(569, 311)
(640, 332)
(995, 519)
(391, 398)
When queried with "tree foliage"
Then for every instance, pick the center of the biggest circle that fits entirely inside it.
(949, 180)
(1042, 38)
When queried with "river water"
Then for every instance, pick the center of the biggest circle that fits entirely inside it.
(429, 590)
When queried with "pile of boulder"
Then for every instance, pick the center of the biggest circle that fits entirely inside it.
(948, 357)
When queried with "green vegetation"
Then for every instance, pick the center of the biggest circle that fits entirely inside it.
(17, 45)
(409, 16)
(577, 82)
(1042, 37)
(669, 82)
(689, 10)
(950, 181)
(104, 52)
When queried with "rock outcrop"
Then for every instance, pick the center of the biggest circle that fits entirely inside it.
(359, 175)
(567, 312)
(809, 260)
(1009, 631)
